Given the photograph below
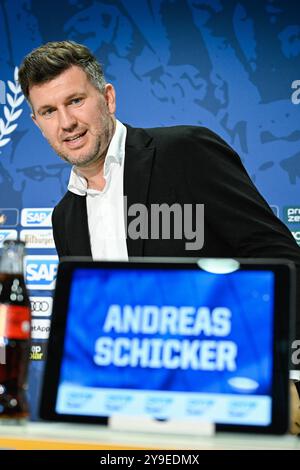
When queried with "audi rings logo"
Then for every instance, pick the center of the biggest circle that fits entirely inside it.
(41, 306)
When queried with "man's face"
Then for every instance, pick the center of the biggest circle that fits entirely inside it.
(75, 118)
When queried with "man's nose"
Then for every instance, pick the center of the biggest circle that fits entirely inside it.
(67, 120)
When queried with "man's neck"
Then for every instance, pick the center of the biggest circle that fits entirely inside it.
(94, 175)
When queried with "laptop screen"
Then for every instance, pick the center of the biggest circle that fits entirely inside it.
(169, 341)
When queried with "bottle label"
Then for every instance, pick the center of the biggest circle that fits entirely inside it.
(14, 321)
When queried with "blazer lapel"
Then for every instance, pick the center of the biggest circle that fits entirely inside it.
(77, 227)
(139, 153)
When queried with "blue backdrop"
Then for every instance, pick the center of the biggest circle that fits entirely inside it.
(230, 65)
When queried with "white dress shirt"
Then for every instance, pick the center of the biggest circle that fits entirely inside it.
(105, 209)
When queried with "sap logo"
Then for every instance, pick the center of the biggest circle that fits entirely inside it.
(7, 235)
(36, 217)
(41, 272)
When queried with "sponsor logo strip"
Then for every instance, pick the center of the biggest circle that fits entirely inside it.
(36, 217)
(38, 351)
(40, 271)
(37, 238)
(291, 215)
(40, 328)
(41, 306)
(7, 235)
(9, 217)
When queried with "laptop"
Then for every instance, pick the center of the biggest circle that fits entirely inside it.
(182, 339)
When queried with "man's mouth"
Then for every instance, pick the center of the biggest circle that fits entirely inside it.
(75, 137)
(76, 141)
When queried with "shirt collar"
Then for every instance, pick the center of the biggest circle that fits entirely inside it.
(116, 149)
(115, 154)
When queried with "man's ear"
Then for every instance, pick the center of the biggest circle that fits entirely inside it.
(36, 123)
(34, 119)
(110, 98)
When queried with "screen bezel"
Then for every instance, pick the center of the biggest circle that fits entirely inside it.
(284, 274)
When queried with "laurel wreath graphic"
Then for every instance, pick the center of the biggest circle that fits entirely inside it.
(11, 113)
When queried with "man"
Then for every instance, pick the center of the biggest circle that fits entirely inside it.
(181, 168)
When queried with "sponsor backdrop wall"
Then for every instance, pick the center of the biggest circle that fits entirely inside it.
(229, 65)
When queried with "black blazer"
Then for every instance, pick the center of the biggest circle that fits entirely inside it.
(185, 165)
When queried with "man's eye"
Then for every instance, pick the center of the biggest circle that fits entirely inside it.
(48, 112)
(76, 100)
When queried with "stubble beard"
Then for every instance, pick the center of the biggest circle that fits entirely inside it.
(98, 151)
(84, 159)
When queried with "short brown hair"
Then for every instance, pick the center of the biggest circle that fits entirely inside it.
(51, 59)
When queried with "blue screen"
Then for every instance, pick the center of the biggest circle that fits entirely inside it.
(169, 344)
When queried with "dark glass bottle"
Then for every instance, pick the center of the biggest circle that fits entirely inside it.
(15, 322)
